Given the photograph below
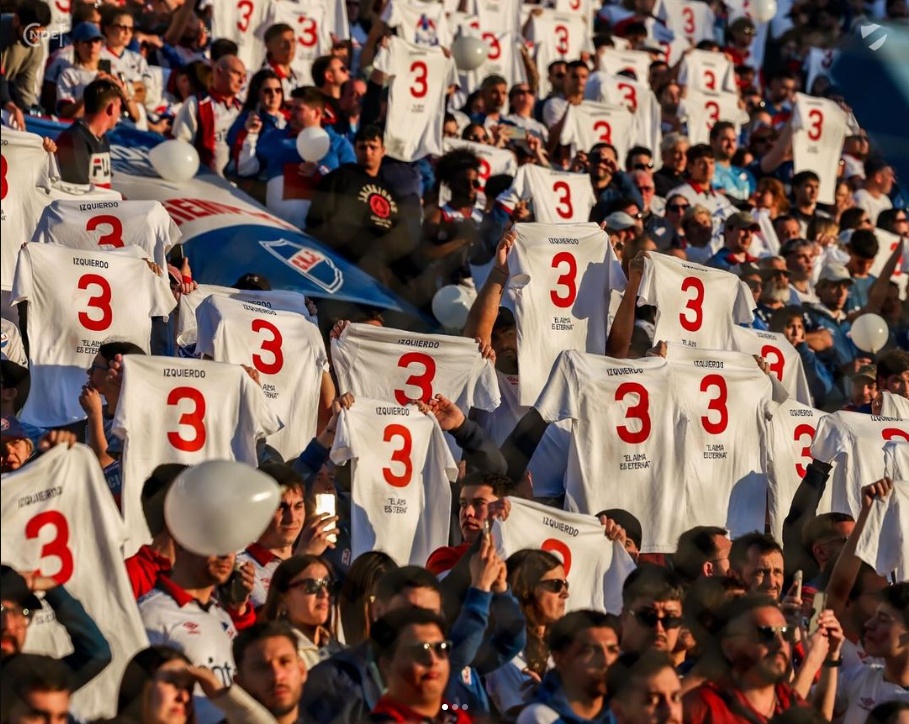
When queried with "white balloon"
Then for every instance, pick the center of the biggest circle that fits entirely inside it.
(220, 507)
(451, 305)
(870, 333)
(763, 11)
(174, 160)
(469, 52)
(312, 143)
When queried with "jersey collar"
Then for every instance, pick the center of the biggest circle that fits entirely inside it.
(260, 555)
(698, 189)
(223, 100)
(277, 69)
(179, 594)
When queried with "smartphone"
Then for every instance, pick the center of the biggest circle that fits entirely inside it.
(104, 66)
(820, 603)
(233, 591)
(325, 505)
(516, 133)
(797, 580)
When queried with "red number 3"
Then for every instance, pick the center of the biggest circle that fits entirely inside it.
(420, 86)
(816, 127)
(423, 381)
(695, 304)
(551, 545)
(114, 237)
(564, 208)
(401, 455)
(640, 411)
(566, 280)
(102, 302)
(194, 419)
(57, 547)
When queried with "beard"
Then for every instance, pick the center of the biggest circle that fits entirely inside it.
(775, 295)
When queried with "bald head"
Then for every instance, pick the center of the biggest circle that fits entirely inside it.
(228, 76)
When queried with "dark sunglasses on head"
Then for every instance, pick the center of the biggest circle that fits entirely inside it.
(554, 585)
(678, 208)
(314, 585)
(420, 650)
(768, 634)
(651, 618)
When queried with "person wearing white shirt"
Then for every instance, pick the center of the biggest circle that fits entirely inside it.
(520, 111)
(699, 190)
(575, 82)
(874, 197)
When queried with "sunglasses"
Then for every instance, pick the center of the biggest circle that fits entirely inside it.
(643, 166)
(124, 28)
(677, 208)
(651, 618)
(554, 585)
(769, 634)
(596, 158)
(422, 651)
(312, 586)
(475, 183)
(273, 91)
(521, 92)
(477, 139)
(639, 216)
(17, 612)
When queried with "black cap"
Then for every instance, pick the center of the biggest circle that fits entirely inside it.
(625, 519)
(14, 588)
(253, 282)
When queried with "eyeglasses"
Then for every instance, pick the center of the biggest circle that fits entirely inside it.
(422, 651)
(554, 585)
(477, 139)
(597, 158)
(677, 208)
(649, 189)
(643, 166)
(124, 28)
(343, 69)
(16, 612)
(521, 91)
(312, 586)
(273, 91)
(769, 634)
(651, 618)
(639, 216)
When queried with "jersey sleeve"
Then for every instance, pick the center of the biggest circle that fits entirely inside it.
(520, 186)
(570, 132)
(66, 88)
(342, 449)
(519, 275)
(206, 325)
(485, 394)
(560, 398)
(615, 277)
(744, 306)
(123, 413)
(384, 60)
(828, 440)
(343, 356)
(647, 291)
(264, 420)
(23, 281)
(163, 301)
(879, 543)
(187, 121)
(440, 458)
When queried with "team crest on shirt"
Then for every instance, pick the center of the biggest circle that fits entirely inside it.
(191, 628)
(867, 703)
(381, 204)
(311, 263)
(425, 32)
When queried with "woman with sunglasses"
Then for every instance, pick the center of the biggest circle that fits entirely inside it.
(262, 112)
(302, 591)
(118, 27)
(157, 688)
(538, 581)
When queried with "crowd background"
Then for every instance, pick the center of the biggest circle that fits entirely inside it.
(518, 572)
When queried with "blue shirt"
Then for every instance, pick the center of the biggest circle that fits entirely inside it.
(738, 183)
(278, 148)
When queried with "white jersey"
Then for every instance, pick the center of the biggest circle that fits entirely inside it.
(287, 350)
(204, 635)
(223, 114)
(129, 66)
(874, 206)
(789, 436)
(115, 224)
(11, 343)
(819, 129)
(697, 306)
(728, 399)
(703, 109)
(894, 406)
(187, 331)
(183, 411)
(615, 61)
(556, 36)
(556, 196)
(418, 22)
(392, 364)
(498, 16)
(691, 20)
(416, 100)
(493, 161)
(628, 440)
(782, 358)
(264, 563)
(77, 300)
(503, 57)
(818, 62)
(26, 172)
(59, 519)
(401, 475)
(884, 542)
(313, 29)
(707, 72)
(596, 569)
(550, 459)
(72, 83)
(856, 441)
(637, 97)
(860, 689)
(590, 123)
(561, 275)
(242, 21)
(887, 244)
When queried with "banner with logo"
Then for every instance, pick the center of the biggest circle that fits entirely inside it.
(226, 233)
(595, 567)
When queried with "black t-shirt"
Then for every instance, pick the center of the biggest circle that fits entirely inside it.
(83, 157)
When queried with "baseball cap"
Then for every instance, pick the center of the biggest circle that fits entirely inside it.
(743, 25)
(86, 31)
(12, 429)
(867, 372)
(742, 220)
(835, 273)
(794, 245)
(14, 588)
(619, 221)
